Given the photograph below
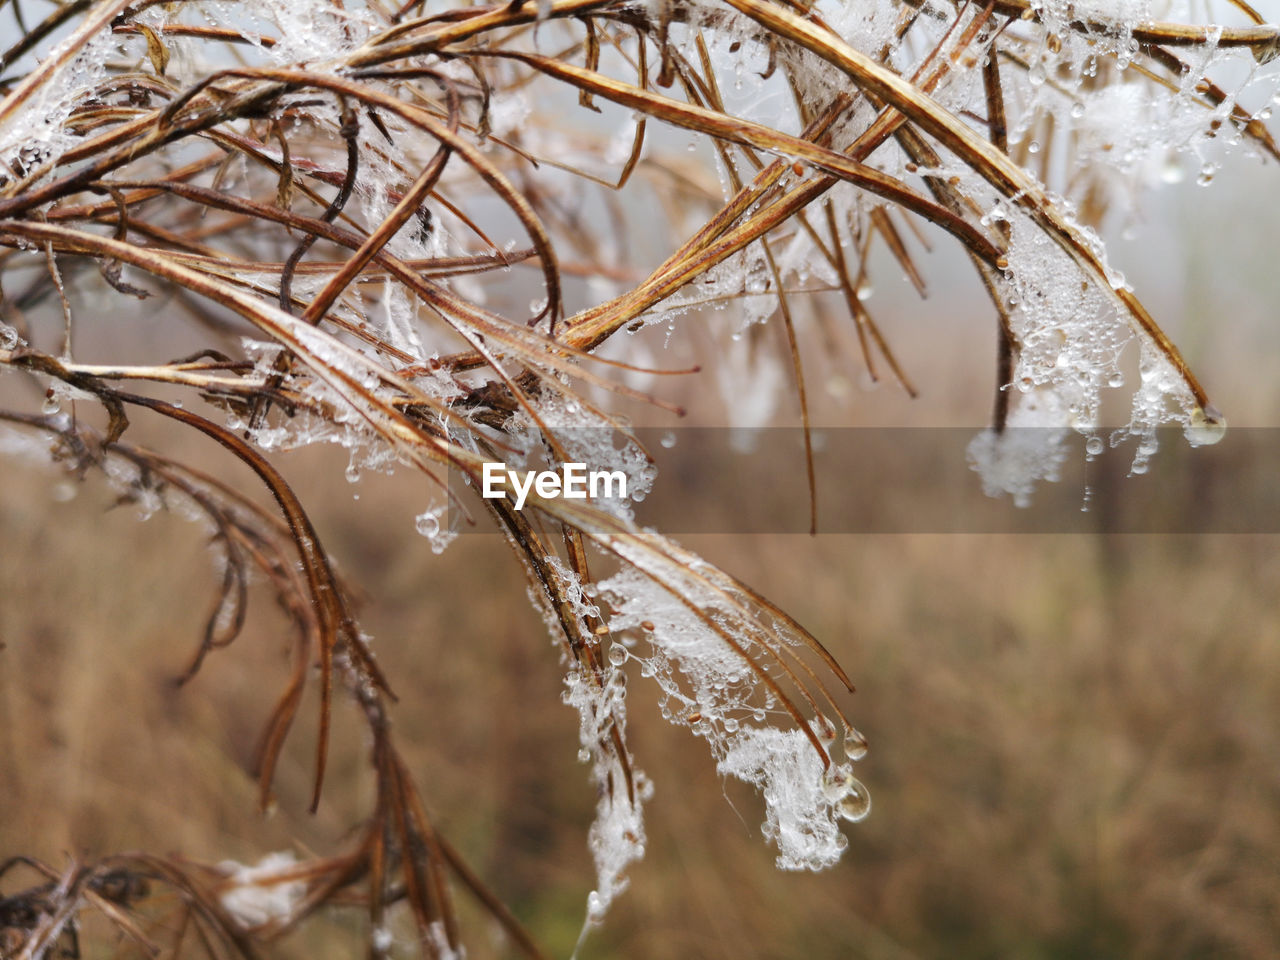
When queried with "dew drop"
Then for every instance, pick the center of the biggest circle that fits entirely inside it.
(1093, 446)
(1205, 428)
(824, 731)
(730, 725)
(668, 439)
(617, 655)
(856, 804)
(50, 406)
(836, 781)
(855, 744)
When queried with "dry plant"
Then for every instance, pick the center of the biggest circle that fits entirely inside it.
(344, 204)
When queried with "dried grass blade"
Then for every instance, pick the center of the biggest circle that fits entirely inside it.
(747, 133)
(993, 165)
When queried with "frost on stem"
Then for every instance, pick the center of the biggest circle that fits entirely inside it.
(597, 690)
(262, 893)
(716, 688)
(802, 803)
(617, 835)
(38, 133)
(1071, 335)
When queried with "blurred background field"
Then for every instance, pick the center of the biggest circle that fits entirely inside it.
(1074, 739)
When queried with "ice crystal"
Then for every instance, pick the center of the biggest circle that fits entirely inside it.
(802, 822)
(254, 895)
(616, 837)
(36, 135)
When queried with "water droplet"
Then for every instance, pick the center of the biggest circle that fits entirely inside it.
(668, 439)
(824, 731)
(50, 406)
(730, 725)
(856, 804)
(1205, 428)
(1077, 110)
(836, 781)
(584, 755)
(855, 744)
(617, 655)
(865, 289)
(1206, 174)
(1036, 75)
(1093, 446)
